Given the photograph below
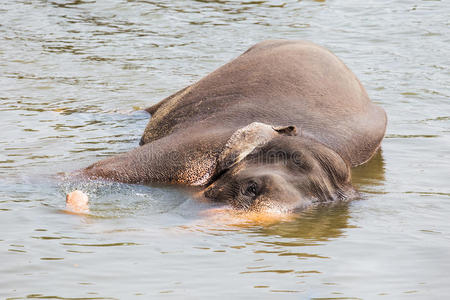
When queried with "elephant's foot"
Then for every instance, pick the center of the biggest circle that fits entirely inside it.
(77, 202)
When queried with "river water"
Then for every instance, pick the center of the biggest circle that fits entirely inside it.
(74, 75)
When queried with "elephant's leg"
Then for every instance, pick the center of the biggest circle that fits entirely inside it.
(177, 158)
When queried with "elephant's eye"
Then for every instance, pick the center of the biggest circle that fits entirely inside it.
(251, 189)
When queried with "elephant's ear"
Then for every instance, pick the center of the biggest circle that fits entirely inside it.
(246, 139)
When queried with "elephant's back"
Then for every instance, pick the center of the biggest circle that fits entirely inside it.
(280, 82)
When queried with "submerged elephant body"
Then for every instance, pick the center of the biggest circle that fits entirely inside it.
(279, 127)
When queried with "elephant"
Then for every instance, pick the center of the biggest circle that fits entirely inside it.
(276, 129)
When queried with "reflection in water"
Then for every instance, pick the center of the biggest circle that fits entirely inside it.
(316, 225)
(309, 228)
(370, 175)
(284, 250)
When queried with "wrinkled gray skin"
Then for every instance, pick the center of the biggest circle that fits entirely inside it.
(278, 128)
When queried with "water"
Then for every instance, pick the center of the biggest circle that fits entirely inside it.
(73, 76)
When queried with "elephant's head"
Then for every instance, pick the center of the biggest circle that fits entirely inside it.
(271, 168)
